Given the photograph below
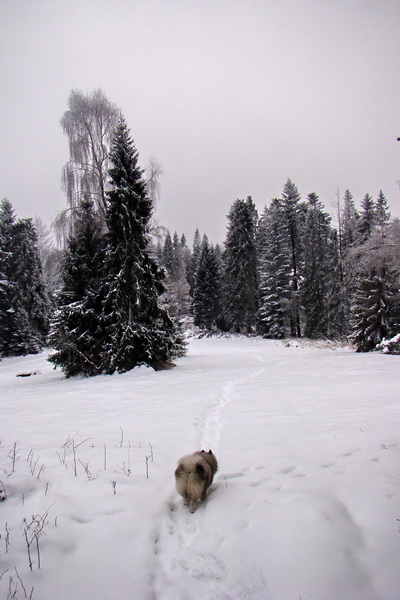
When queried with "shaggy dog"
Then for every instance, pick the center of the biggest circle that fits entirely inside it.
(194, 475)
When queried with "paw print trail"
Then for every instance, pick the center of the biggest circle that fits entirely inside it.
(194, 551)
(188, 565)
(211, 422)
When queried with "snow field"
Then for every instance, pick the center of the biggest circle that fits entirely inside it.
(305, 503)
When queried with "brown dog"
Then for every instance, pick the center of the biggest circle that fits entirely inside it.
(194, 475)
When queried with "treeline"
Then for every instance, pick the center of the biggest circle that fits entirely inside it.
(289, 272)
(120, 292)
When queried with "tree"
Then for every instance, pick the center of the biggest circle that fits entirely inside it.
(176, 295)
(8, 287)
(138, 331)
(350, 219)
(207, 289)
(294, 214)
(50, 256)
(193, 263)
(273, 271)
(382, 214)
(24, 302)
(240, 268)
(349, 238)
(318, 268)
(367, 218)
(89, 123)
(376, 304)
(76, 332)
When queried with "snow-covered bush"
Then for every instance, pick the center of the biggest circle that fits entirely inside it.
(390, 346)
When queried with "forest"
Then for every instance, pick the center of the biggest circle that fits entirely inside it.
(119, 290)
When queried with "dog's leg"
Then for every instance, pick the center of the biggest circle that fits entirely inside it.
(192, 506)
(185, 500)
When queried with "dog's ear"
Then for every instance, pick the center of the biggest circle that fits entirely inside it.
(210, 452)
(203, 452)
(179, 469)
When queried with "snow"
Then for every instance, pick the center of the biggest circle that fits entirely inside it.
(305, 503)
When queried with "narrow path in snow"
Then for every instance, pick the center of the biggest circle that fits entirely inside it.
(185, 551)
(211, 422)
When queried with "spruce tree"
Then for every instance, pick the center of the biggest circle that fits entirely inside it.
(274, 271)
(176, 295)
(367, 218)
(9, 319)
(207, 290)
(371, 310)
(76, 332)
(350, 222)
(24, 301)
(317, 272)
(348, 240)
(138, 331)
(376, 303)
(294, 220)
(240, 268)
(194, 262)
(382, 214)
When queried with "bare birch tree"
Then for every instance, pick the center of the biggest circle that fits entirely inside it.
(89, 123)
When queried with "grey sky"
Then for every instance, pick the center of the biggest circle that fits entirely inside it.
(231, 96)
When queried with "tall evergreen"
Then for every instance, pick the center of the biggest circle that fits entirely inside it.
(350, 219)
(138, 331)
(11, 321)
(382, 214)
(240, 268)
(194, 261)
(176, 295)
(317, 272)
(367, 218)
(24, 301)
(294, 219)
(207, 289)
(274, 271)
(76, 332)
(376, 303)
(349, 238)
(371, 310)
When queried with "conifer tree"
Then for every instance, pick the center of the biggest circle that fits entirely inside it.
(176, 295)
(274, 271)
(9, 318)
(138, 331)
(76, 332)
(348, 240)
(240, 268)
(318, 269)
(24, 302)
(375, 311)
(207, 289)
(371, 309)
(367, 218)
(294, 219)
(194, 262)
(350, 219)
(382, 214)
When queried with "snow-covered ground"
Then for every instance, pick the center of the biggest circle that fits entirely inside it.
(305, 505)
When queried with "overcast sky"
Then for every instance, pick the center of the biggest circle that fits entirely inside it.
(231, 96)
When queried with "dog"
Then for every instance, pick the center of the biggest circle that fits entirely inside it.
(194, 475)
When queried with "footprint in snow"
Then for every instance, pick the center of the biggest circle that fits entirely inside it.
(186, 555)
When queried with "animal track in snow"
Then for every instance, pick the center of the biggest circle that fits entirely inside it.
(211, 422)
(186, 563)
